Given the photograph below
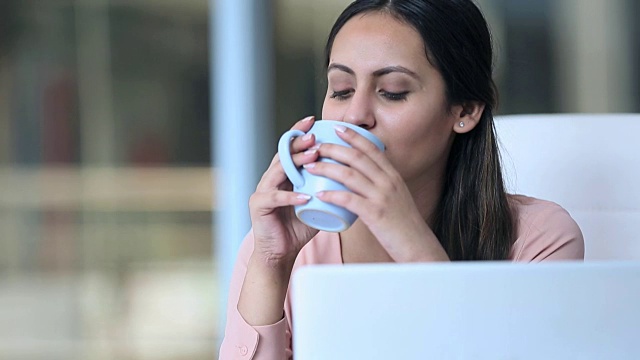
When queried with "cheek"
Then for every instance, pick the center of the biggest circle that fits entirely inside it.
(419, 142)
(328, 111)
(419, 156)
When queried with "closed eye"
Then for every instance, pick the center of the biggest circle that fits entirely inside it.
(394, 96)
(341, 95)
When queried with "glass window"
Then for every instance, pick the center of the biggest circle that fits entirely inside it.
(105, 182)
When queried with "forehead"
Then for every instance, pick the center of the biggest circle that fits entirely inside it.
(379, 39)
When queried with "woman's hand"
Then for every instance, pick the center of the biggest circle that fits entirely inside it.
(278, 234)
(379, 197)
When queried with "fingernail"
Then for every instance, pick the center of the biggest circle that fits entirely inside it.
(303, 197)
(309, 165)
(315, 147)
(340, 128)
(320, 194)
(311, 151)
(306, 137)
(308, 118)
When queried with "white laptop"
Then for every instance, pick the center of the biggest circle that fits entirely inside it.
(471, 310)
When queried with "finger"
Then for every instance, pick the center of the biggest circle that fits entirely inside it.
(273, 177)
(304, 124)
(303, 158)
(264, 203)
(304, 142)
(353, 179)
(354, 158)
(348, 200)
(274, 160)
(361, 143)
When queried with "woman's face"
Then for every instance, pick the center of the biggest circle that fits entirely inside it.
(379, 78)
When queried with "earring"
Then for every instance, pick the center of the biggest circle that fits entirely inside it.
(461, 124)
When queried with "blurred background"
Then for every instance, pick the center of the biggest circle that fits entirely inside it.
(107, 163)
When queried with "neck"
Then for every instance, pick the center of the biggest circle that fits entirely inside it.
(427, 189)
(426, 195)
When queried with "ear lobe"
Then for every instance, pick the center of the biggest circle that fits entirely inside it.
(468, 116)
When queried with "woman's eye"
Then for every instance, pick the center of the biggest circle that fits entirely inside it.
(394, 96)
(340, 95)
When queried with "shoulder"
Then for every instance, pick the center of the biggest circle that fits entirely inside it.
(530, 211)
(545, 231)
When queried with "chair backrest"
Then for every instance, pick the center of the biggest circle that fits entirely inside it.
(587, 163)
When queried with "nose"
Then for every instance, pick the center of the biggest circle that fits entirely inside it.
(360, 111)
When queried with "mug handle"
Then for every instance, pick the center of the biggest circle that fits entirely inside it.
(284, 152)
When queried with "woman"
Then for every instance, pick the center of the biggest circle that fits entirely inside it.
(416, 73)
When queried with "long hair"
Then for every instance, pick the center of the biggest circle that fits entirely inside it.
(473, 219)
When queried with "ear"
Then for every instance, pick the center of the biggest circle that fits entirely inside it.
(467, 116)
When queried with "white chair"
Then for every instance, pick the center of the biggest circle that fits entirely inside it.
(587, 163)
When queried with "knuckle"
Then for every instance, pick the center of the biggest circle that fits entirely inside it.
(254, 199)
(273, 197)
(348, 173)
(389, 184)
(378, 212)
(298, 159)
(369, 146)
(348, 200)
(322, 149)
(296, 142)
(339, 198)
(358, 155)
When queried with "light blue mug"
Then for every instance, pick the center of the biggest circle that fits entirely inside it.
(316, 213)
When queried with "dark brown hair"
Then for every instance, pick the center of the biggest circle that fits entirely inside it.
(473, 220)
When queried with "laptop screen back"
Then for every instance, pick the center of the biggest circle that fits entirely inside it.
(467, 311)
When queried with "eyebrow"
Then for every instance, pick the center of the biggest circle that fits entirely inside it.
(377, 73)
